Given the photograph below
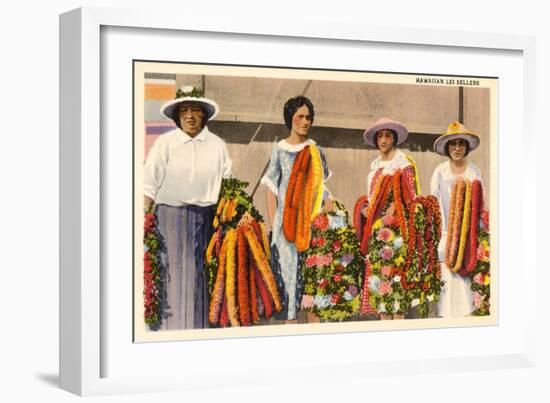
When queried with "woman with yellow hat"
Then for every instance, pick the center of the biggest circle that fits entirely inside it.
(451, 184)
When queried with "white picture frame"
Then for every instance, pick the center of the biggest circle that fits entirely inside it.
(83, 305)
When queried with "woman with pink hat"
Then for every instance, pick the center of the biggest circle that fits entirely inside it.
(386, 134)
(391, 183)
(458, 141)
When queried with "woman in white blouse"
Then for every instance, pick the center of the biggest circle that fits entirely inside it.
(456, 144)
(182, 179)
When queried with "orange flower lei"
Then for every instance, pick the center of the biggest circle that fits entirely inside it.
(450, 223)
(375, 182)
(231, 277)
(464, 226)
(218, 294)
(398, 203)
(263, 267)
(384, 199)
(379, 190)
(211, 245)
(242, 280)
(454, 235)
(293, 191)
(358, 217)
(303, 197)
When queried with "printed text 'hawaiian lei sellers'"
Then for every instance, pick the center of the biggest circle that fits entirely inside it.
(446, 81)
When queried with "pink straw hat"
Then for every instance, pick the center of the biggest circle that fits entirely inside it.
(385, 123)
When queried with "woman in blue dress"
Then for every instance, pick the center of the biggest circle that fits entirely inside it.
(298, 115)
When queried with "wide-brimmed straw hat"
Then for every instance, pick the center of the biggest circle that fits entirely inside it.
(456, 130)
(189, 93)
(388, 124)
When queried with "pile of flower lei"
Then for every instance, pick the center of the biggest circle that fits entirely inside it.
(480, 276)
(242, 286)
(384, 236)
(331, 267)
(153, 284)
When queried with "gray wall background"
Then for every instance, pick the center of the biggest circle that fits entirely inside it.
(251, 120)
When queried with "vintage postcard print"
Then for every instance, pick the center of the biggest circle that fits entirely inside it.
(274, 201)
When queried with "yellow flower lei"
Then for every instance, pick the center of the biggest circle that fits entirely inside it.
(231, 277)
(317, 166)
(263, 267)
(416, 179)
(464, 227)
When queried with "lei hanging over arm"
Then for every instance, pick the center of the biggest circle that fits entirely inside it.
(303, 197)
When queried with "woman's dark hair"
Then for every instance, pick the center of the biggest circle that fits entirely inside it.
(292, 105)
(394, 134)
(176, 115)
(448, 144)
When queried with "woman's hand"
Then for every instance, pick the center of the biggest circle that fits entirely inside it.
(328, 206)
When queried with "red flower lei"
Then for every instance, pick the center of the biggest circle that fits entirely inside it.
(373, 206)
(358, 217)
(151, 272)
(474, 224)
(407, 184)
(411, 244)
(398, 204)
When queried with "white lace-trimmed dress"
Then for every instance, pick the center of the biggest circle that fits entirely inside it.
(456, 295)
(285, 258)
(399, 161)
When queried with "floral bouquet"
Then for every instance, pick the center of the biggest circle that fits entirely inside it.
(387, 256)
(331, 267)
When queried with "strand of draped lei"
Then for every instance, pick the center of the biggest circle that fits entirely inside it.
(455, 221)
(370, 215)
(464, 226)
(398, 204)
(411, 244)
(474, 223)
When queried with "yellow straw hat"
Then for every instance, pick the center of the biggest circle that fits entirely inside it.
(456, 130)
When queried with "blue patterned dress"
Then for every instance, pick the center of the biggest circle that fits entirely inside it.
(285, 258)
